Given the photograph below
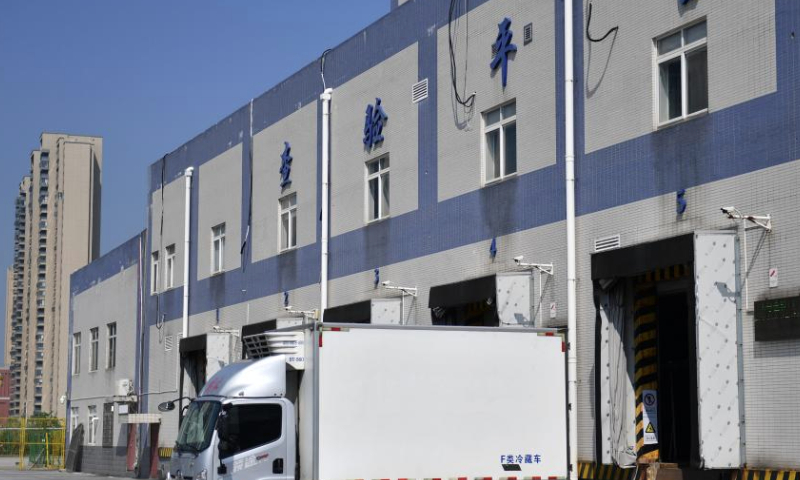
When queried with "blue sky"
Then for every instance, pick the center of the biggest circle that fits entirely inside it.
(146, 76)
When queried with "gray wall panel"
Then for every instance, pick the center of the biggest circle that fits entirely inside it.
(112, 300)
(220, 194)
(300, 130)
(619, 72)
(531, 81)
(390, 81)
(173, 229)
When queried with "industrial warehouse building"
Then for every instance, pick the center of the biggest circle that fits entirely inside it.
(447, 163)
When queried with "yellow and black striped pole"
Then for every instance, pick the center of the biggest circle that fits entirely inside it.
(646, 359)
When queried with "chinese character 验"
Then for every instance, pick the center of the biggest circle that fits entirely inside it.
(286, 169)
(373, 124)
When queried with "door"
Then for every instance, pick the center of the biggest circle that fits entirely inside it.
(716, 293)
(255, 441)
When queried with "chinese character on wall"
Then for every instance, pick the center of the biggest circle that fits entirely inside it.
(373, 124)
(503, 47)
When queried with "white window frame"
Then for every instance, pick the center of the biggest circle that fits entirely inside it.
(169, 267)
(111, 345)
(290, 210)
(154, 272)
(93, 420)
(74, 418)
(486, 129)
(218, 235)
(378, 174)
(94, 348)
(76, 353)
(683, 51)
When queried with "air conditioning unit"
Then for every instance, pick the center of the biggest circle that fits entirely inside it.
(124, 387)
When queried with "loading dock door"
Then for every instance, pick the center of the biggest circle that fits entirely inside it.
(716, 290)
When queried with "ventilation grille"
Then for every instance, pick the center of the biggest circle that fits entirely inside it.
(169, 343)
(607, 243)
(528, 33)
(419, 91)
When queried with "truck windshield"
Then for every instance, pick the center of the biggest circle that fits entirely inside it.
(198, 426)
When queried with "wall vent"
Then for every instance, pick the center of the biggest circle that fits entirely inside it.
(419, 91)
(607, 243)
(528, 34)
(169, 343)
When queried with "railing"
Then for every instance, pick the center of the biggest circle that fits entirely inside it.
(37, 442)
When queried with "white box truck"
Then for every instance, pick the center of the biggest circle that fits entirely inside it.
(349, 402)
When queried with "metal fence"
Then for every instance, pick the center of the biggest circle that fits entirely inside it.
(37, 442)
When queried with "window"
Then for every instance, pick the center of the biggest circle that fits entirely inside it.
(92, 425)
(76, 353)
(288, 219)
(108, 424)
(218, 248)
(378, 189)
(682, 73)
(169, 274)
(111, 350)
(154, 272)
(500, 142)
(74, 419)
(250, 426)
(95, 346)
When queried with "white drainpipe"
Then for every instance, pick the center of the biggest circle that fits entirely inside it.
(187, 242)
(323, 281)
(572, 319)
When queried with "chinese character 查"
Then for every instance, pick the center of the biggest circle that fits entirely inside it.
(286, 169)
(373, 124)
(503, 47)
(528, 458)
(537, 458)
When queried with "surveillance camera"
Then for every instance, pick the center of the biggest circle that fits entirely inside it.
(385, 283)
(287, 307)
(518, 259)
(728, 210)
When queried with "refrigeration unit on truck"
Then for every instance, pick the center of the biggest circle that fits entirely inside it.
(379, 402)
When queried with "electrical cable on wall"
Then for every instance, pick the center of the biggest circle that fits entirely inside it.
(469, 101)
(249, 193)
(322, 68)
(160, 245)
(588, 25)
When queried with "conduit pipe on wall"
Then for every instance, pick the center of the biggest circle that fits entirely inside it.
(572, 319)
(323, 280)
(186, 244)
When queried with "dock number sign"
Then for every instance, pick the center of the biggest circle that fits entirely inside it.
(650, 417)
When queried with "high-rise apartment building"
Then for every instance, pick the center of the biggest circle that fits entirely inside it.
(57, 230)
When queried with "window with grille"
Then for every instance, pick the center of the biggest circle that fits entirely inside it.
(218, 248)
(378, 189)
(500, 142)
(76, 353)
(95, 346)
(111, 350)
(108, 424)
(288, 222)
(682, 73)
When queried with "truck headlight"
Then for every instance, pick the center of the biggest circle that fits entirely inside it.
(202, 475)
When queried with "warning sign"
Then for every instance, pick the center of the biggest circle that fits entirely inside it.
(650, 417)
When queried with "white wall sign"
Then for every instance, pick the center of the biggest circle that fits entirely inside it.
(773, 277)
(650, 417)
(553, 310)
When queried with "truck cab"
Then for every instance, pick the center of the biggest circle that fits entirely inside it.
(242, 424)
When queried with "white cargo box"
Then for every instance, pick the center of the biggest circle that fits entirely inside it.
(434, 402)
